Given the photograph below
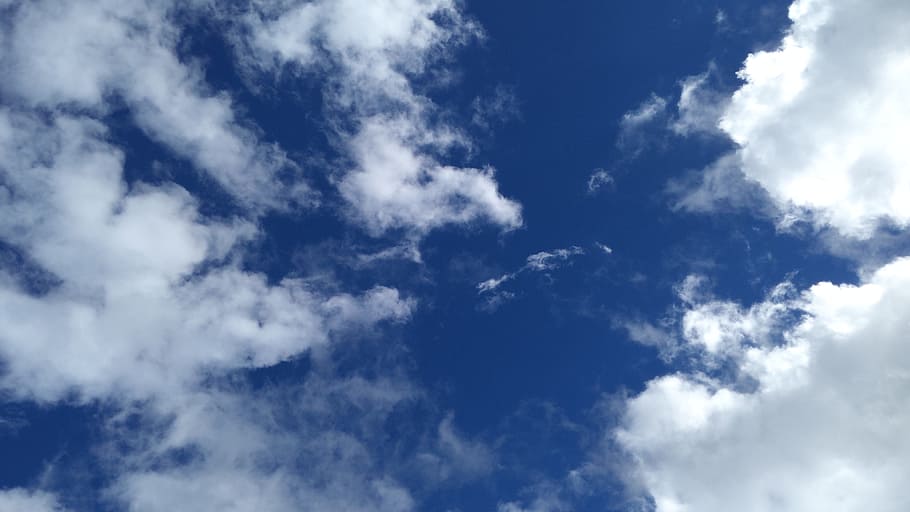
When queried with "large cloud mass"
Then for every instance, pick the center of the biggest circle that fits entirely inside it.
(811, 418)
(127, 293)
(820, 121)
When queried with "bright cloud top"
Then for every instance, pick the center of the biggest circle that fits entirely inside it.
(821, 120)
(811, 419)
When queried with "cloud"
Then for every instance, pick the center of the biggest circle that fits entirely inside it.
(604, 247)
(548, 260)
(537, 262)
(499, 107)
(453, 458)
(18, 500)
(396, 142)
(599, 178)
(134, 312)
(146, 304)
(700, 105)
(395, 187)
(633, 136)
(818, 120)
(805, 413)
(84, 54)
(648, 111)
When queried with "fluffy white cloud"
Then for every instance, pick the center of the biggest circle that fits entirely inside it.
(80, 54)
(134, 311)
(394, 186)
(538, 262)
(820, 120)
(398, 180)
(149, 309)
(812, 418)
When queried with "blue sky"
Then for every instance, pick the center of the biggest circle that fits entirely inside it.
(432, 255)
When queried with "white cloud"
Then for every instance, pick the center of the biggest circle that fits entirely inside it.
(21, 500)
(819, 120)
(279, 450)
(811, 419)
(538, 262)
(395, 186)
(398, 180)
(453, 458)
(151, 309)
(499, 107)
(80, 54)
(547, 260)
(135, 313)
(700, 106)
(598, 179)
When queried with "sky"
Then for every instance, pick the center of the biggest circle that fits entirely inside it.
(454, 255)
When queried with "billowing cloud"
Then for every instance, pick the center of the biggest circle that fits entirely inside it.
(819, 120)
(86, 55)
(145, 303)
(538, 262)
(396, 144)
(797, 404)
(133, 311)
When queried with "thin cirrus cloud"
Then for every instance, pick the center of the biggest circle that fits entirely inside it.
(83, 55)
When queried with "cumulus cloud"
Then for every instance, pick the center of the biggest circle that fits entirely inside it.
(819, 120)
(809, 417)
(82, 54)
(396, 144)
(134, 312)
(500, 106)
(538, 262)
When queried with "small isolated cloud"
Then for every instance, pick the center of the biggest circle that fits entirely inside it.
(721, 20)
(635, 125)
(648, 111)
(20, 500)
(598, 179)
(538, 262)
(604, 247)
